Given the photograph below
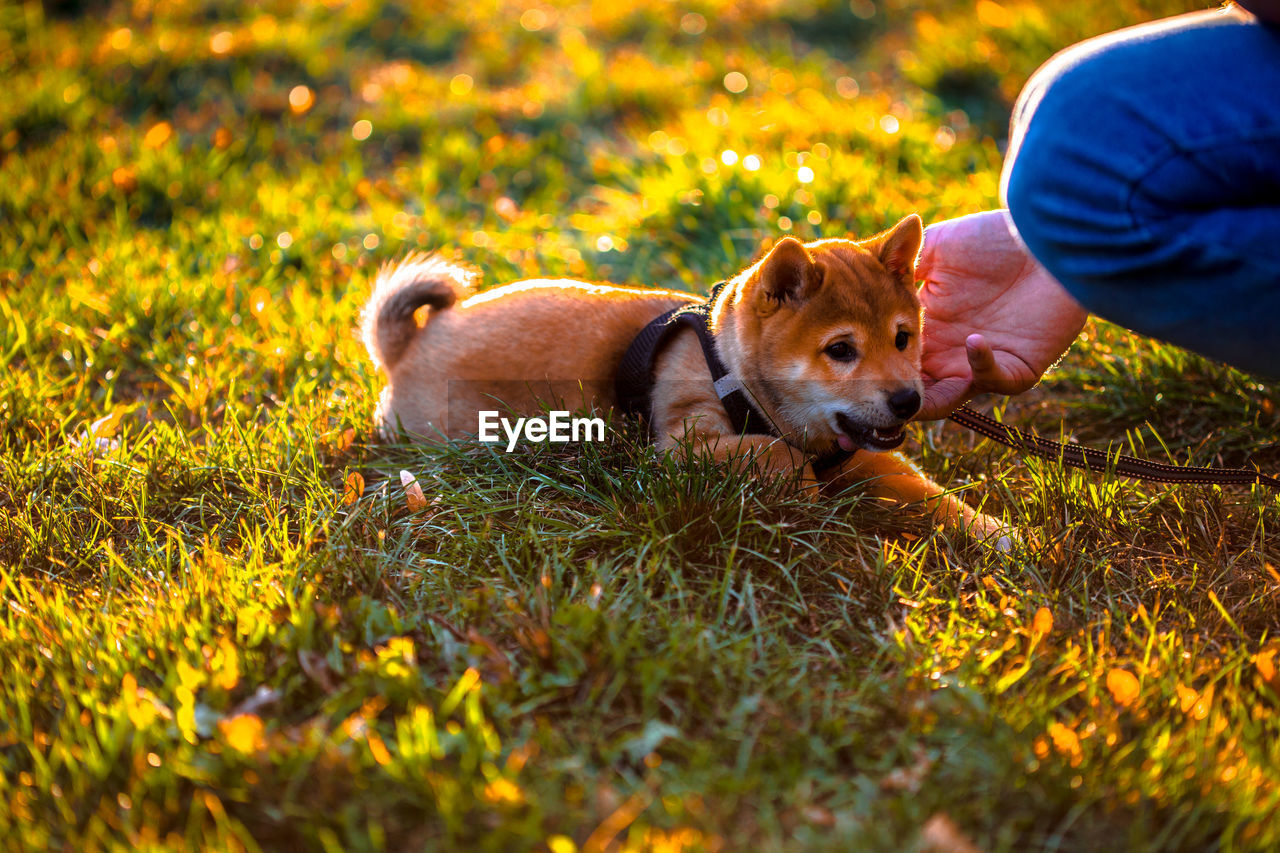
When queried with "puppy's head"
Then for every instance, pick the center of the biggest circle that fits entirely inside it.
(829, 337)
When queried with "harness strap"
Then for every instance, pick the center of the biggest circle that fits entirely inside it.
(635, 379)
(634, 383)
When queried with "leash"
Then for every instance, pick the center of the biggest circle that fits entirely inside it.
(634, 384)
(1096, 461)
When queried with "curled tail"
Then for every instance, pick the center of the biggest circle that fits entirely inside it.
(399, 291)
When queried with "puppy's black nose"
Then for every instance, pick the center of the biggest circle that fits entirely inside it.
(904, 402)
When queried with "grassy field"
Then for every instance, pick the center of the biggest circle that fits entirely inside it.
(224, 624)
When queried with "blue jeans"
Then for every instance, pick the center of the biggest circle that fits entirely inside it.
(1144, 174)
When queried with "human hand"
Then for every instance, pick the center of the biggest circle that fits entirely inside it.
(995, 320)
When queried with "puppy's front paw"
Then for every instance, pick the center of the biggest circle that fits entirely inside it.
(995, 533)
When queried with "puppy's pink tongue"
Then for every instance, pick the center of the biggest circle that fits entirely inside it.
(845, 442)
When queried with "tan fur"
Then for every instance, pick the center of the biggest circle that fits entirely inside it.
(533, 344)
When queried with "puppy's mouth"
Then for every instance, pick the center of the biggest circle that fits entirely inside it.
(855, 435)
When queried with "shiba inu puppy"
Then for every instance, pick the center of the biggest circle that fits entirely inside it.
(823, 338)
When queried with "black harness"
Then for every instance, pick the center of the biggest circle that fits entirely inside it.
(634, 382)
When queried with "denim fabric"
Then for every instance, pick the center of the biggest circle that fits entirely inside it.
(1144, 174)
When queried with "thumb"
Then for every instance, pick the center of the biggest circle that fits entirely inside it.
(982, 360)
(988, 374)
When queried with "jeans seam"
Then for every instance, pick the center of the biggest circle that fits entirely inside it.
(1175, 149)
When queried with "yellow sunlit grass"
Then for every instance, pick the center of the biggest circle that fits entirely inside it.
(228, 620)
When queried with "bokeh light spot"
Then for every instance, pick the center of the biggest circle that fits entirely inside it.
(301, 99)
(221, 43)
(693, 24)
(121, 39)
(533, 19)
(158, 135)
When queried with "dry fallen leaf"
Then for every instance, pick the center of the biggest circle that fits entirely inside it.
(941, 835)
(353, 488)
(99, 438)
(1265, 660)
(243, 732)
(412, 492)
(1042, 622)
(1195, 705)
(125, 179)
(507, 209)
(255, 702)
(317, 669)
(1186, 698)
(818, 815)
(158, 135)
(1065, 740)
(377, 748)
(1123, 686)
(908, 778)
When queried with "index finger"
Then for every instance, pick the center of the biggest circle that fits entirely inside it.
(943, 397)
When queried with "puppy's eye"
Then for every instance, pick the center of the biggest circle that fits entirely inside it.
(840, 351)
(901, 340)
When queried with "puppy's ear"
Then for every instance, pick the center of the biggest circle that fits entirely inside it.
(898, 247)
(786, 273)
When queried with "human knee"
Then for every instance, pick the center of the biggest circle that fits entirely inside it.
(1078, 144)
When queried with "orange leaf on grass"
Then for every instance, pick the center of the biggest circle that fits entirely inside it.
(125, 179)
(1123, 686)
(1065, 740)
(1195, 705)
(941, 835)
(1265, 660)
(353, 488)
(158, 135)
(378, 748)
(261, 304)
(412, 492)
(507, 209)
(225, 664)
(1042, 622)
(243, 732)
